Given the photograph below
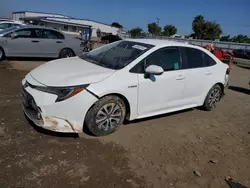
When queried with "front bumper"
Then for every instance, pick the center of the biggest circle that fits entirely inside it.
(65, 116)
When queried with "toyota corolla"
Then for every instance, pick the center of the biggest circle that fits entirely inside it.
(127, 79)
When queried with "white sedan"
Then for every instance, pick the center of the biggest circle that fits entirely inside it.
(128, 79)
(8, 24)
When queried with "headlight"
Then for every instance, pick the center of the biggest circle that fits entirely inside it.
(62, 93)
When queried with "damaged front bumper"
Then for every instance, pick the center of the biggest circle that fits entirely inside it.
(50, 123)
(66, 116)
(35, 114)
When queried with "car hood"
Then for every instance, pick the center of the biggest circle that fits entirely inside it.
(69, 72)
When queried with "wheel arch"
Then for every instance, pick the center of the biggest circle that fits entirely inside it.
(221, 86)
(218, 83)
(3, 55)
(2, 50)
(125, 100)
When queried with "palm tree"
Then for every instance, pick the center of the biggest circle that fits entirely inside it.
(198, 25)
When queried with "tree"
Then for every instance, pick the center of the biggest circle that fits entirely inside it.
(169, 30)
(154, 29)
(205, 29)
(198, 25)
(211, 31)
(136, 32)
(241, 39)
(225, 38)
(192, 36)
(117, 25)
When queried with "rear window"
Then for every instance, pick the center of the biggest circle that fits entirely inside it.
(194, 58)
(50, 34)
(208, 61)
(197, 58)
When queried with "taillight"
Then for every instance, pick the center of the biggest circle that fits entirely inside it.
(228, 70)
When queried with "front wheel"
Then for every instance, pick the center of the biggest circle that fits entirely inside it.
(214, 95)
(106, 115)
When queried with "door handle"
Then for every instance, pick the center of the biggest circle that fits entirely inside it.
(180, 77)
(35, 41)
(58, 41)
(208, 73)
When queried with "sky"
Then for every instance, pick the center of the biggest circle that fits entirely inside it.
(232, 15)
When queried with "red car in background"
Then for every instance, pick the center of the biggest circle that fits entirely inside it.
(224, 56)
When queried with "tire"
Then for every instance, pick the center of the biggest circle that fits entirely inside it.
(214, 95)
(106, 115)
(66, 52)
(2, 54)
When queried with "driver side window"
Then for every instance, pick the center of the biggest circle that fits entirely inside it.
(167, 58)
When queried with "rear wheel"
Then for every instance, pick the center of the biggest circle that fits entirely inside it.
(66, 52)
(106, 115)
(213, 97)
(2, 55)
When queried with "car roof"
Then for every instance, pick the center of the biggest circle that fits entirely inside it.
(10, 21)
(38, 27)
(159, 42)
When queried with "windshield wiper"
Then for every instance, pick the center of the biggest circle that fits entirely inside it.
(90, 60)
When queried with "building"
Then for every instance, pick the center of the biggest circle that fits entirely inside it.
(2, 19)
(25, 14)
(65, 24)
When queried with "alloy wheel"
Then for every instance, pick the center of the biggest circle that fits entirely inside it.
(109, 116)
(214, 97)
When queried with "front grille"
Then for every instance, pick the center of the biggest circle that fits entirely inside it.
(30, 106)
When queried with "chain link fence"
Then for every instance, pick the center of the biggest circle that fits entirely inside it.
(219, 44)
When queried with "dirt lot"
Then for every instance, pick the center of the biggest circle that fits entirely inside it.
(156, 152)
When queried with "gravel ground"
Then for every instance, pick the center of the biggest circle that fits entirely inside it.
(163, 151)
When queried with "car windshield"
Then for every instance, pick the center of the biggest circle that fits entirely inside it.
(116, 55)
(8, 30)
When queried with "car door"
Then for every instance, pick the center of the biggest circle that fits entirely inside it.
(199, 70)
(25, 43)
(52, 43)
(160, 93)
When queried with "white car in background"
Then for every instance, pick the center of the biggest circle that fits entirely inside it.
(38, 41)
(127, 79)
(8, 24)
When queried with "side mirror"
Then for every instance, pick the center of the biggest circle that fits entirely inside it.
(154, 69)
(14, 35)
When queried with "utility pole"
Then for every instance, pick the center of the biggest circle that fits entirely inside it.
(158, 20)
